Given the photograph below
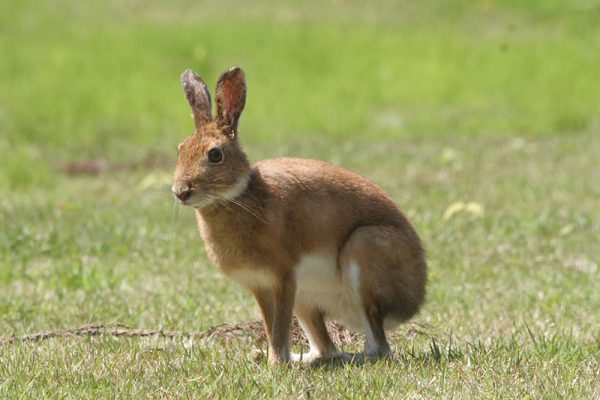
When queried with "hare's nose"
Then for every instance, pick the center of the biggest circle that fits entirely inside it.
(182, 193)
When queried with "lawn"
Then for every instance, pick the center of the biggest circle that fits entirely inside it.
(485, 102)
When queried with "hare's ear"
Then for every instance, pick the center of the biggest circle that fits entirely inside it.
(197, 95)
(230, 97)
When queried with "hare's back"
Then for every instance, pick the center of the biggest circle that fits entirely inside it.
(292, 174)
(325, 188)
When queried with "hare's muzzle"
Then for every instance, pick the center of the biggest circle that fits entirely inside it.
(182, 193)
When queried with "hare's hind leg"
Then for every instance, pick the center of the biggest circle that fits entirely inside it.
(376, 344)
(383, 272)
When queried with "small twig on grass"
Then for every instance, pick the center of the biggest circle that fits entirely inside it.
(113, 329)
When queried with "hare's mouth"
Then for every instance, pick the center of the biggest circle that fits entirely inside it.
(192, 197)
(198, 200)
(201, 203)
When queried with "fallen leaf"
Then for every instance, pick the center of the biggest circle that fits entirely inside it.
(473, 208)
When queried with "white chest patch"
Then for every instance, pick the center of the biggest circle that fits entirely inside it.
(252, 278)
(237, 189)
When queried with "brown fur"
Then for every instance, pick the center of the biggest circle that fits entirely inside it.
(291, 208)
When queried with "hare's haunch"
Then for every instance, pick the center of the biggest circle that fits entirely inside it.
(308, 238)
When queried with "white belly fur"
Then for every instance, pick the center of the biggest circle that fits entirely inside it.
(319, 284)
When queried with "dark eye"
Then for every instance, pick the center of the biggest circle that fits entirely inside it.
(215, 155)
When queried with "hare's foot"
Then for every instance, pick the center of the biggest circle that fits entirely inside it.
(305, 357)
(258, 355)
(338, 358)
(379, 354)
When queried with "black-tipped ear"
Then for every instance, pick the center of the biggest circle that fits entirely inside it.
(231, 97)
(197, 95)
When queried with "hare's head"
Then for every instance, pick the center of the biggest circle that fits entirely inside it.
(211, 164)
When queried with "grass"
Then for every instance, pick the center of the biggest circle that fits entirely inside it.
(480, 102)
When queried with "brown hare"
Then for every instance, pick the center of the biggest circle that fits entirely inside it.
(308, 238)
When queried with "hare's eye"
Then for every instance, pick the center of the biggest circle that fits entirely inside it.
(215, 155)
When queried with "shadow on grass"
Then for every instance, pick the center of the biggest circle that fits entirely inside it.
(435, 355)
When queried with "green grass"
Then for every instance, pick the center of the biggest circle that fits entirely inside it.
(486, 102)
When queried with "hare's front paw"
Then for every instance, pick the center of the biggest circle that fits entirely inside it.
(257, 355)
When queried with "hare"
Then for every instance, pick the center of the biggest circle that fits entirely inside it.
(307, 238)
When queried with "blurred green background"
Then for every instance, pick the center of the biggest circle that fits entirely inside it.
(481, 118)
(100, 78)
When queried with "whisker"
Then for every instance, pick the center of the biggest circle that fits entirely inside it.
(224, 203)
(247, 209)
(176, 211)
(240, 204)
